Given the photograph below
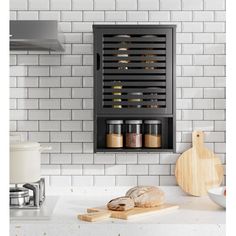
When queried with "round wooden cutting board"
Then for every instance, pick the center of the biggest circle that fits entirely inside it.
(198, 168)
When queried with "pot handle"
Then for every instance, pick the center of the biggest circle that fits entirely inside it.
(45, 148)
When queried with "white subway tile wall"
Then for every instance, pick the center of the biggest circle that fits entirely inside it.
(51, 95)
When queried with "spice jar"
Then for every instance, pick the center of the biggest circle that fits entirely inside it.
(133, 133)
(135, 100)
(117, 87)
(152, 133)
(114, 136)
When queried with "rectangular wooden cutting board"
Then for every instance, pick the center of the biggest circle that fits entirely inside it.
(125, 215)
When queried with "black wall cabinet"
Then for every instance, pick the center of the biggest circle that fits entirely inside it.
(134, 78)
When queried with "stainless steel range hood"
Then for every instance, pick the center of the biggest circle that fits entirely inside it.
(35, 35)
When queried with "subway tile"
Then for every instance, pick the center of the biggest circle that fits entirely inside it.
(170, 4)
(148, 180)
(214, 136)
(87, 126)
(60, 136)
(220, 59)
(93, 170)
(104, 5)
(71, 147)
(183, 59)
(214, 70)
(27, 15)
(167, 180)
(18, 93)
(82, 5)
(126, 5)
(203, 103)
(71, 125)
(71, 16)
(126, 180)
(60, 181)
(115, 169)
(64, 27)
(104, 158)
(192, 71)
(88, 60)
(203, 125)
(159, 169)
(27, 125)
(60, 70)
(192, 27)
(192, 93)
(184, 82)
(126, 158)
(159, 15)
(49, 103)
(71, 103)
(214, 115)
(220, 16)
(82, 136)
(38, 92)
(137, 16)
(214, 27)
(104, 180)
(49, 60)
(38, 114)
(13, 103)
(38, 70)
(184, 104)
(220, 125)
(88, 82)
(192, 49)
(60, 93)
(82, 49)
(12, 14)
(192, 115)
(71, 82)
(220, 104)
(220, 82)
(71, 59)
(82, 115)
(183, 125)
(38, 5)
(60, 114)
(87, 38)
(82, 181)
(203, 82)
(214, 48)
(184, 38)
(71, 169)
(49, 125)
(82, 158)
(49, 15)
(192, 4)
(49, 82)
(93, 16)
(214, 4)
(220, 38)
(115, 15)
(82, 27)
(18, 71)
(27, 82)
(50, 169)
(27, 59)
(82, 93)
(44, 159)
(39, 136)
(82, 70)
(214, 93)
(203, 60)
(18, 5)
(148, 5)
(72, 37)
(166, 158)
(27, 104)
(137, 169)
(60, 4)
(181, 15)
(203, 15)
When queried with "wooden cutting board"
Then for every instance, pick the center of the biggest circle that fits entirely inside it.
(100, 213)
(198, 168)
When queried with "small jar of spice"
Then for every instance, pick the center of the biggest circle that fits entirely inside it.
(152, 133)
(133, 133)
(114, 136)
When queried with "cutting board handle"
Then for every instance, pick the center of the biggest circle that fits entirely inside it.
(197, 138)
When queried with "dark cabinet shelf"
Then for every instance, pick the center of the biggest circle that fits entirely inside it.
(134, 78)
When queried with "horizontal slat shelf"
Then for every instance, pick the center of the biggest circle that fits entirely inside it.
(135, 103)
(136, 84)
(134, 77)
(121, 46)
(137, 64)
(133, 52)
(130, 90)
(134, 96)
(114, 38)
(135, 58)
(134, 71)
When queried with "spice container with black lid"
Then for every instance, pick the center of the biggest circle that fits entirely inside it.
(152, 133)
(114, 136)
(133, 134)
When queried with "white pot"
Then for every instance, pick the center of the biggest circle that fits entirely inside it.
(25, 162)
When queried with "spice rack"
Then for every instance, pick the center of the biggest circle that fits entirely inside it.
(134, 79)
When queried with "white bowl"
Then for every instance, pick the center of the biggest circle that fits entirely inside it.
(217, 195)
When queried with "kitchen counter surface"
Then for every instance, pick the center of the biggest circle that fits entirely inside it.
(196, 216)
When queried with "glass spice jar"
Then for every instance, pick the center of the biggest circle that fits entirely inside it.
(133, 138)
(114, 136)
(152, 133)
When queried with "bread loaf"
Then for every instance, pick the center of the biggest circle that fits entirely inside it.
(121, 204)
(146, 196)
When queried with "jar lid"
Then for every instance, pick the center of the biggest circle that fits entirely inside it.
(133, 122)
(24, 146)
(115, 122)
(153, 122)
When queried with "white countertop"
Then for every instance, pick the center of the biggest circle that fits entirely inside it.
(196, 216)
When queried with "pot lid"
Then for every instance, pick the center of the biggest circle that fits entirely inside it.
(24, 145)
